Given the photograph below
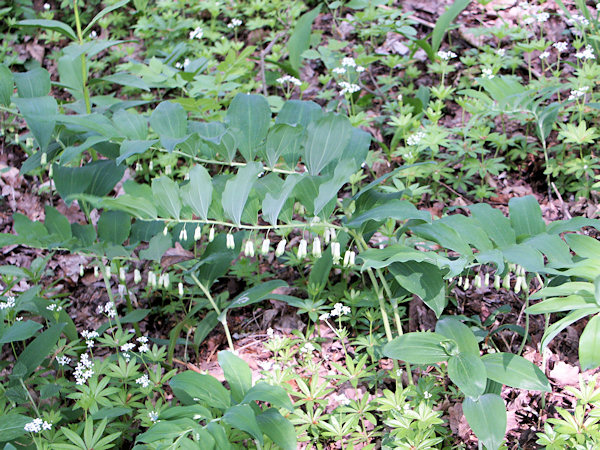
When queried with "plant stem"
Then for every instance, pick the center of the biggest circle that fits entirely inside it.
(224, 163)
(526, 321)
(86, 92)
(252, 227)
(216, 308)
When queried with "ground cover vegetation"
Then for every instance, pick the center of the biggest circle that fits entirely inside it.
(350, 224)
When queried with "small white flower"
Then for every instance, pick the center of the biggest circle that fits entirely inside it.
(183, 234)
(63, 360)
(93, 34)
(153, 415)
(180, 289)
(197, 233)
(288, 79)
(19, 318)
(152, 279)
(324, 316)
(142, 339)
(348, 62)
(137, 276)
(47, 6)
(165, 230)
(496, 282)
(587, 53)
(270, 332)
(302, 248)
(501, 52)
(87, 334)
(109, 310)
(230, 241)
(542, 17)
(81, 270)
(307, 348)
(528, 20)
(446, 56)
(544, 55)
(37, 425)
(143, 348)
(335, 252)
(96, 272)
(426, 395)
(280, 249)
(9, 303)
(234, 23)
(486, 72)
(197, 33)
(415, 139)
(349, 258)
(144, 381)
(127, 347)
(348, 88)
(90, 343)
(264, 248)
(211, 235)
(339, 70)
(578, 93)
(316, 248)
(578, 20)
(561, 47)
(466, 284)
(506, 281)
(249, 249)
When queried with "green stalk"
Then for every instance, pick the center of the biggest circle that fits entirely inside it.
(86, 92)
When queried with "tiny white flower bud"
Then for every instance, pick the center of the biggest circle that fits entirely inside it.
(168, 169)
(486, 280)
(316, 249)
(327, 235)
(352, 260)
(211, 235)
(137, 276)
(197, 233)
(122, 274)
(332, 233)
(167, 281)
(166, 230)
(80, 270)
(230, 241)
(460, 281)
(496, 282)
(44, 159)
(161, 280)
(517, 285)
(150, 166)
(183, 234)
(107, 272)
(138, 167)
(335, 252)
(466, 285)
(477, 281)
(524, 284)
(512, 267)
(280, 249)
(180, 289)
(302, 248)
(506, 281)
(151, 279)
(50, 171)
(96, 271)
(264, 248)
(349, 258)
(249, 249)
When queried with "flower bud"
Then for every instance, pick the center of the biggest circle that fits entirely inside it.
(96, 271)
(327, 236)
(168, 169)
(150, 166)
(138, 167)
(316, 249)
(460, 281)
(122, 274)
(197, 233)
(349, 257)
(351, 262)
(249, 249)
(44, 159)
(165, 230)
(335, 252)
(80, 270)
(264, 248)
(524, 284)
(280, 248)
(137, 276)
(477, 281)
(180, 289)
(50, 171)
(517, 285)
(332, 233)
(302, 248)
(506, 281)
(496, 282)
(230, 241)
(151, 279)
(107, 272)
(166, 281)
(466, 285)
(211, 235)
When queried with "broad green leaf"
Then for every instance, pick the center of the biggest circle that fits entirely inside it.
(394, 209)
(157, 247)
(319, 273)
(70, 180)
(127, 79)
(563, 323)
(299, 40)
(589, 345)
(111, 413)
(33, 83)
(307, 189)
(40, 115)
(242, 417)
(12, 426)
(57, 224)
(423, 279)
(275, 395)
(103, 175)
(487, 418)
(132, 125)
(444, 235)
(140, 208)
(71, 75)
(299, 112)
(27, 228)
(552, 246)
(570, 287)
(417, 348)
(357, 148)
(329, 189)
(130, 148)
(526, 216)
(469, 231)
(73, 152)
(19, 331)
(574, 224)
(166, 194)
(167, 429)
(237, 373)
(468, 373)
(584, 246)
(197, 194)
(114, 227)
(454, 329)
(249, 117)
(283, 140)
(443, 23)
(256, 294)
(6, 85)
(515, 371)
(528, 257)
(278, 428)
(95, 122)
(494, 223)
(558, 304)
(237, 190)
(190, 385)
(102, 13)
(52, 25)
(274, 201)
(39, 349)
(169, 121)
(326, 140)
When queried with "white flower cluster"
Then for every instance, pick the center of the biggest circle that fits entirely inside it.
(9, 303)
(478, 282)
(341, 399)
(501, 52)
(578, 93)
(349, 258)
(542, 17)
(338, 310)
(230, 241)
(587, 53)
(63, 360)
(108, 309)
(37, 425)
(561, 47)
(348, 88)
(143, 381)
(544, 55)
(307, 348)
(89, 337)
(487, 72)
(153, 415)
(47, 6)
(446, 56)
(578, 20)
(416, 138)
(288, 79)
(54, 307)
(84, 369)
(348, 62)
(234, 23)
(197, 33)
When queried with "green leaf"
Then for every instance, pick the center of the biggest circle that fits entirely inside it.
(326, 140)
(39, 349)
(33, 83)
(20, 331)
(242, 417)
(468, 373)
(130, 148)
(157, 247)
(237, 373)
(256, 294)
(127, 79)
(275, 200)
(166, 195)
(423, 279)
(138, 207)
(589, 345)
(445, 236)
(114, 227)
(191, 385)
(6, 85)
(111, 413)
(40, 115)
(515, 371)
(264, 392)
(526, 216)
(283, 140)
(57, 224)
(558, 304)
(528, 257)
(102, 13)
(169, 121)
(237, 189)
(52, 25)
(417, 348)
(329, 189)
(494, 223)
(197, 194)
(299, 112)
(487, 418)
(132, 125)
(584, 246)
(444, 22)
(563, 323)
(103, 175)
(278, 428)
(393, 209)
(249, 117)
(454, 329)
(12, 426)
(299, 40)
(73, 152)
